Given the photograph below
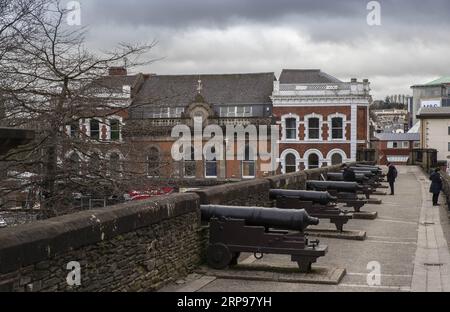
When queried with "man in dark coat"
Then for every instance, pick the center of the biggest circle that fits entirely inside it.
(348, 174)
(436, 186)
(391, 176)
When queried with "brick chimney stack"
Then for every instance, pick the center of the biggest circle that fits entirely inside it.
(117, 71)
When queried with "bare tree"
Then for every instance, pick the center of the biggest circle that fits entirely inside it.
(49, 80)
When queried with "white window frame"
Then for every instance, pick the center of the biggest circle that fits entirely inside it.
(307, 117)
(313, 151)
(283, 159)
(330, 126)
(283, 126)
(217, 169)
(108, 127)
(248, 161)
(336, 151)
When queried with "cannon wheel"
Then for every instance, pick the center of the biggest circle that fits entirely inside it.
(304, 266)
(235, 257)
(218, 256)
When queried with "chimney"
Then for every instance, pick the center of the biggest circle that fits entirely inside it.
(353, 80)
(117, 71)
(366, 80)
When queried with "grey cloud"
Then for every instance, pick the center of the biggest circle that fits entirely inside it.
(410, 47)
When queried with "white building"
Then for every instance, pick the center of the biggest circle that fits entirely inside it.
(435, 130)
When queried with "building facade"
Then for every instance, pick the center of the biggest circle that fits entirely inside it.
(435, 93)
(323, 120)
(166, 101)
(434, 131)
(395, 148)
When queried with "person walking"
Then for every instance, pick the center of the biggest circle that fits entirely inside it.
(436, 185)
(391, 176)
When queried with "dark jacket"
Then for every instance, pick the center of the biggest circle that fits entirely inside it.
(392, 173)
(436, 183)
(349, 175)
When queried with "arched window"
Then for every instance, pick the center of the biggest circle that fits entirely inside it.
(94, 126)
(211, 166)
(314, 128)
(336, 159)
(190, 166)
(114, 164)
(337, 128)
(153, 162)
(75, 163)
(313, 161)
(291, 128)
(94, 164)
(290, 163)
(248, 164)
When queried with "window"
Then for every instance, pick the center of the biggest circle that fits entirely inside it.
(211, 166)
(448, 130)
(336, 159)
(248, 164)
(449, 146)
(337, 128)
(114, 164)
(235, 111)
(313, 128)
(75, 163)
(313, 161)
(290, 163)
(291, 128)
(74, 127)
(398, 144)
(95, 129)
(94, 164)
(153, 162)
(115, 129)
(189, 165)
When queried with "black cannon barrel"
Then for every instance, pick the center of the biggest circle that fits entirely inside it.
(373, 170)
(285, 219)
(367, 166)
(339, 176)
(321, 198)
(339, 186)
(367, 173)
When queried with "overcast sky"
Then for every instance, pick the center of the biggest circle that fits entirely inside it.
(411, 46)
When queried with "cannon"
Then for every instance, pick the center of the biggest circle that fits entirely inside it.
(369, 185)
(367, 166)
(317, 204)
(259, 230)
(339, 176)
(346, 192)
(376, 177)
(321, 198)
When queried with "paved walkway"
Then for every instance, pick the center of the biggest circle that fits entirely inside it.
(407, 240)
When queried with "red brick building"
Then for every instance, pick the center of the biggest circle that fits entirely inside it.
(323, 120)
(395, 148)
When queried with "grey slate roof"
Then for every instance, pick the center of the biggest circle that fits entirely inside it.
(306, 76)
(115, 83)
(180, 90)
(434, 112)
(398, 136)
